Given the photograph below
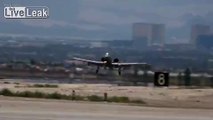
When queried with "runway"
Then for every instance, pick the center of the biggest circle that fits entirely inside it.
(39, 109)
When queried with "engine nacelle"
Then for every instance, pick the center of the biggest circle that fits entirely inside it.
(116, 60)
(103, 59)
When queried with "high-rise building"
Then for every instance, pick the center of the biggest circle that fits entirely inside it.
(198, 30)
(205, 41)
(149, 34)
(158, 34)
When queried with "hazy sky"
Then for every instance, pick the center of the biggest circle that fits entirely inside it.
(109, 19)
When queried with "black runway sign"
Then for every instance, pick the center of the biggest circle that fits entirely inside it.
(161, 79)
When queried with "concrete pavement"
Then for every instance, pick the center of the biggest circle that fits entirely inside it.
(40, 109)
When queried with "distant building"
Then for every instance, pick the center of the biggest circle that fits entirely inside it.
(205, 41)
(119, 43)
(198, 30)
(97, 44)
(179, 46)
(148, 34)
(158, 34)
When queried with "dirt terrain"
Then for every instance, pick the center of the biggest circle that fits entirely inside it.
(161, 97)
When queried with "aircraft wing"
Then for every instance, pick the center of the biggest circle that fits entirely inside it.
(90, 62)
(131, 64)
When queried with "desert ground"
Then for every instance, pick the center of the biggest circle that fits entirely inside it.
(152, 96)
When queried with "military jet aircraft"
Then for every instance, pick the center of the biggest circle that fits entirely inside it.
(107, 62)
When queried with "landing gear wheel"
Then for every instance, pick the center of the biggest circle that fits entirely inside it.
(119, 71)
(97, 70)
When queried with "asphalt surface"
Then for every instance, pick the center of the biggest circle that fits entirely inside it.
(39, 109)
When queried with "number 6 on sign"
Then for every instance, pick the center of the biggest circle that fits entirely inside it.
(161, 79)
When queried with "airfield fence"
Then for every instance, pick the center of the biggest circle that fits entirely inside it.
(201, 81)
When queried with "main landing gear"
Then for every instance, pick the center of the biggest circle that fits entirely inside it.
(97, 70)
(119, 71)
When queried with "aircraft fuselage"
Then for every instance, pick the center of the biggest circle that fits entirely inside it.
(108, 62)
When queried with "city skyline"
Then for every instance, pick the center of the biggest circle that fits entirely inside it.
(151, 34)
(112, 19)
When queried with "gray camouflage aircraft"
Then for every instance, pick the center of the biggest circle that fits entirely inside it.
(107, 62)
